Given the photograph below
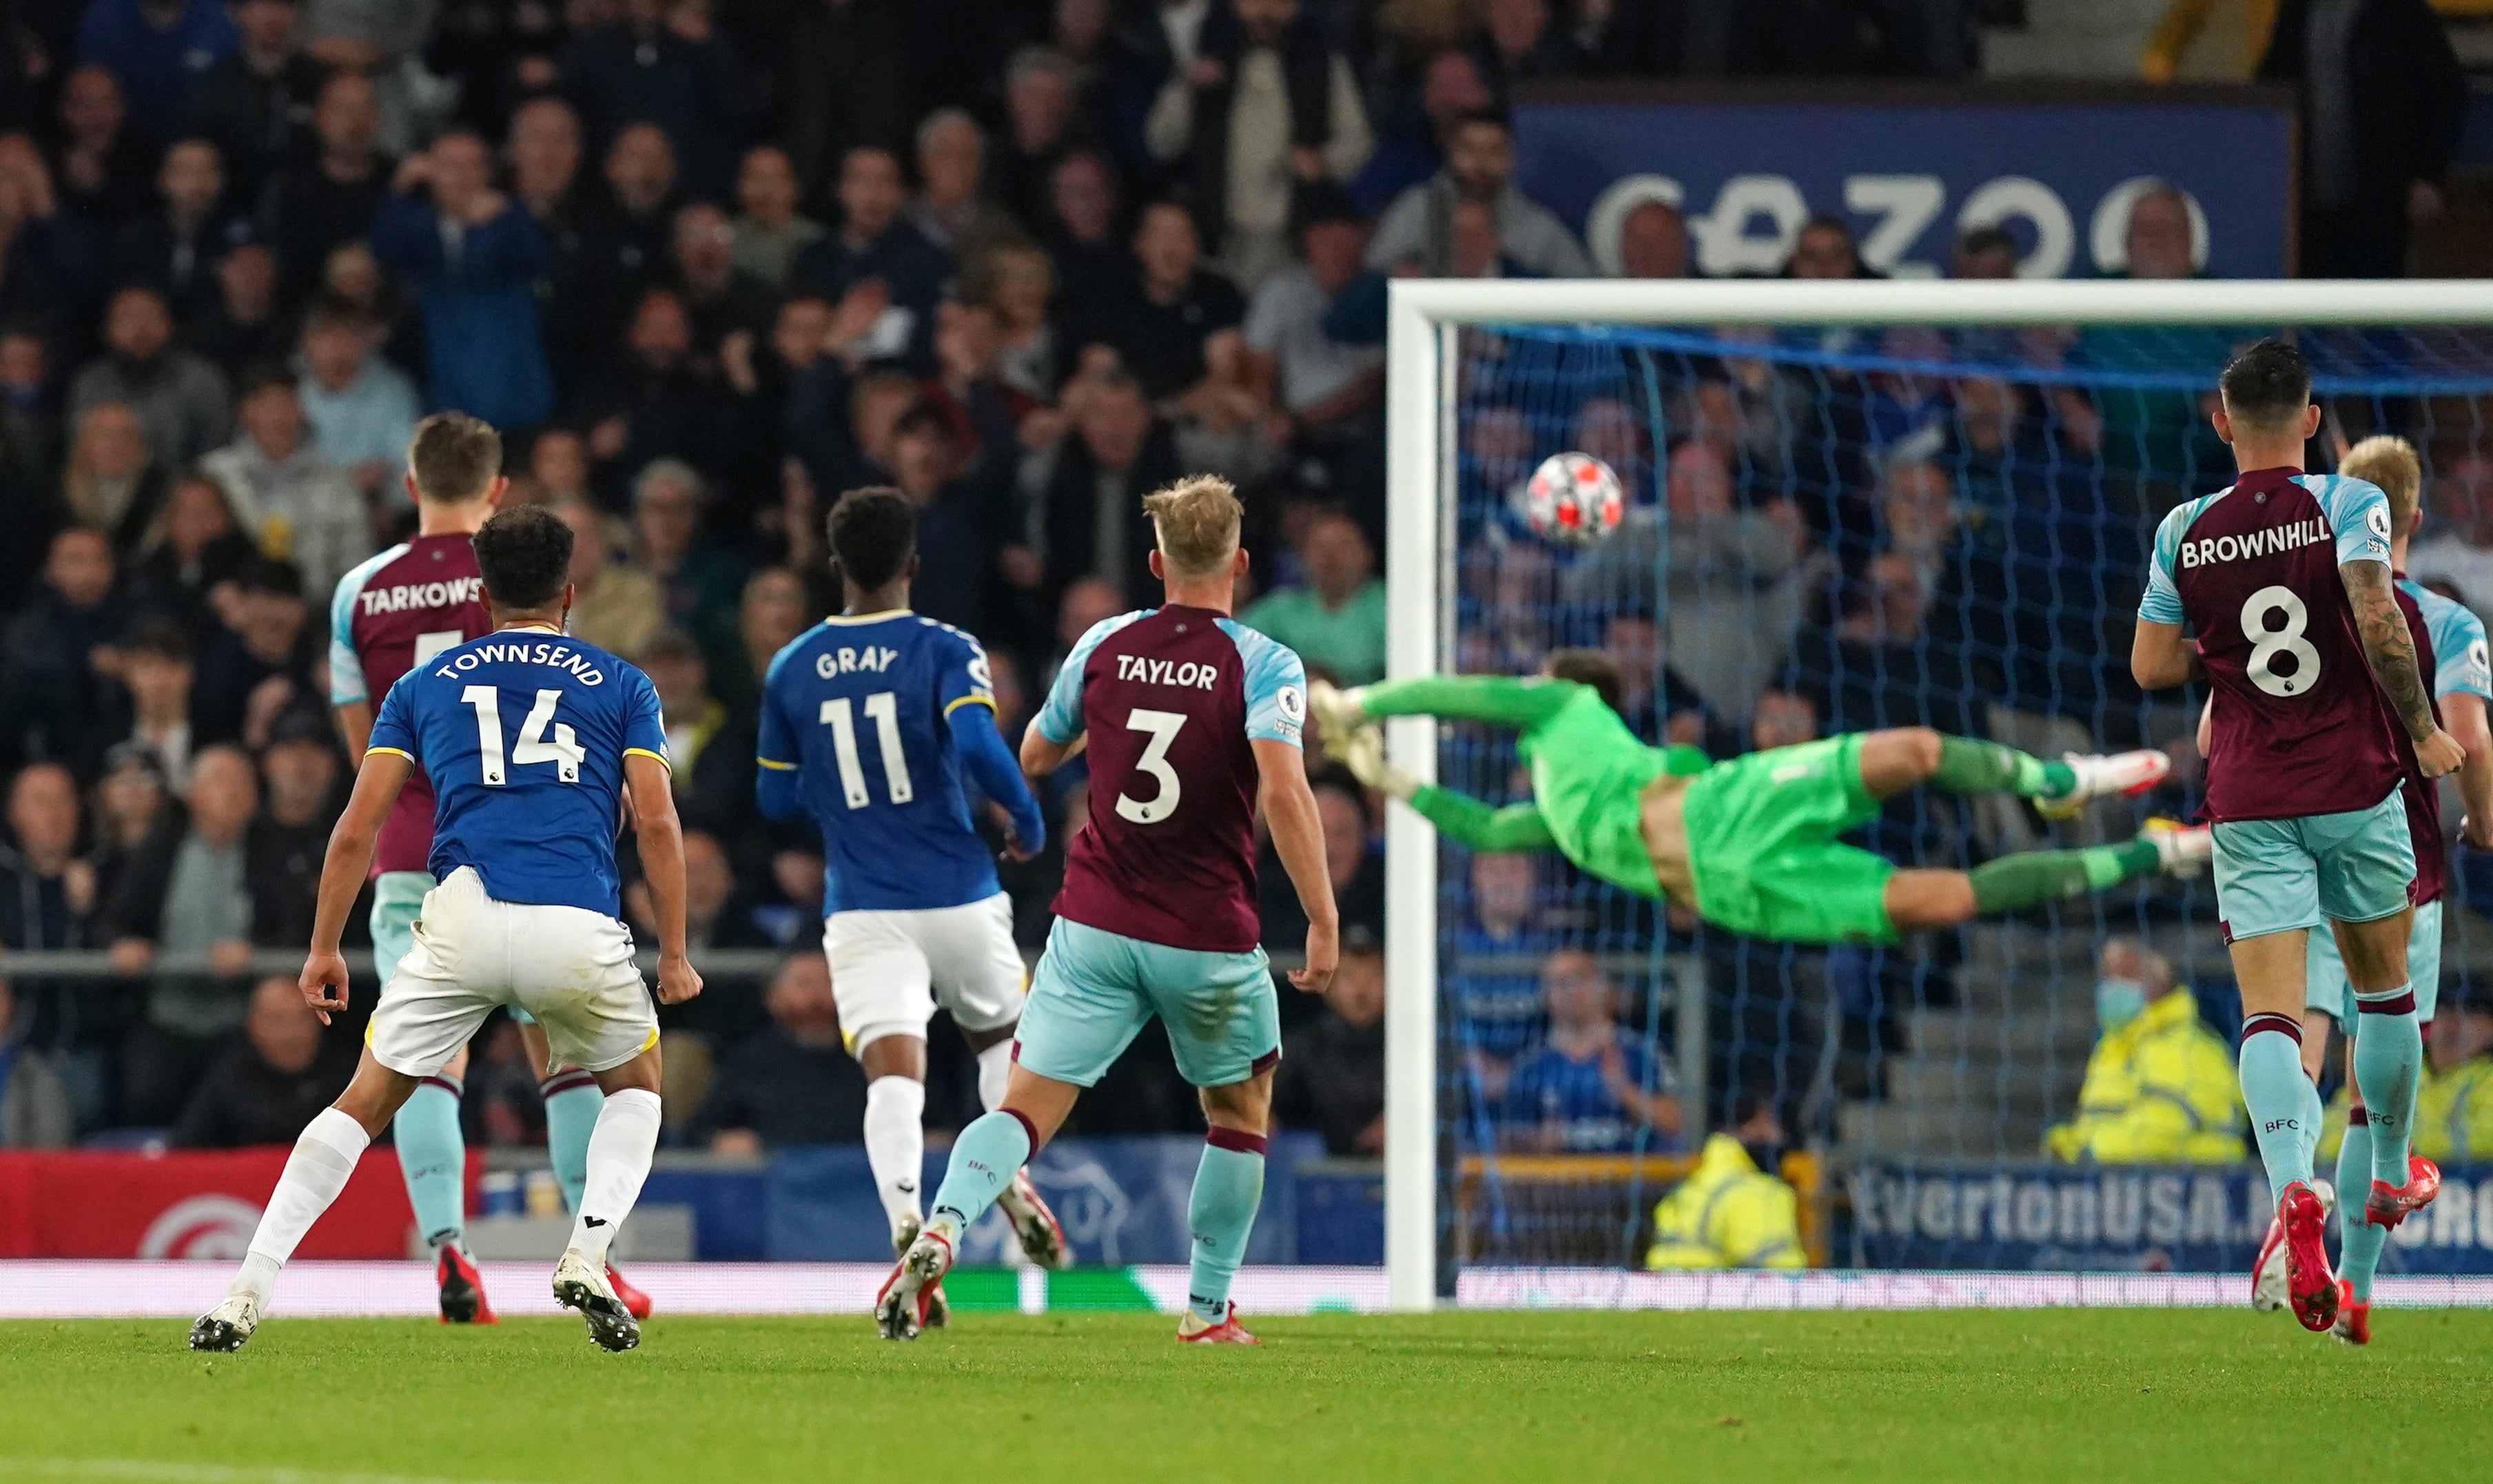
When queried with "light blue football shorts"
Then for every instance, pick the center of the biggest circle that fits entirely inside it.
(397, 898)
(2274, 876)
(1095, 989)
(2323, 983)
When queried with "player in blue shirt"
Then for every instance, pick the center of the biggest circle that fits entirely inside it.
(876, 724)
(534, 744)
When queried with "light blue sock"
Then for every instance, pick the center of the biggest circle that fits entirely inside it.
(572, 1103)
(2389, 1058)
(432, 1155)
(2360, 1241)
(1228, 1187)
(2279, 1098)
(2315, 1116)
(985, 1159)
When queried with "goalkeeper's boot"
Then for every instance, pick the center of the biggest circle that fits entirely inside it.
(1192, 1330)
(1042, 1240)
(227, 1325)
(900, 1307)
(939, 1309)
(633, 1298)
(462, 1288)
(2390, 1204)
(1334, 708)
(580, 1285)
(2267, 1275)
(2102, 775)
(2353, 1325)
(2310, 1288)
(2181, 849)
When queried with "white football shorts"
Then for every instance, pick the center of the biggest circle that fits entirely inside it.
(570, 968)
(889, 969)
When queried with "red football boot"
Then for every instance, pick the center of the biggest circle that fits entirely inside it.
(463, 1289)
(2353, 1325)
(901, 1305)
(2390, 1204)
(2311, 1289)
(633, 1298)
(1192, 1330)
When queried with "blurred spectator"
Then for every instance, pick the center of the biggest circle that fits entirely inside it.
(878, 267)
(1419, 228)
(1041, 91)
(193, 558)
(1332, 1077)
(1337, 620)
(1452, 88)
(1496, 992)
(113, 481)
(100, 168)
(182, 401)
(1018, 282)
(384, 41)
(49, 1027)
(699, 576)
(1984, 253)
(1323, 382)
(791, 1084)
(1093, 264)
(2454, 1116)
(60, 653)
(313, 206)
(174, 249)
(35, 1110)
(1825, 248)
(261, 661)
(187, 893)
(1266, 108)
(1782, 719)
(1653, 243)
(952, 516)
(952, 210)
(242, 324)
(361, 408)
(2384, 103)
(303, 507)
(157, 668)
(770, 230)
(660, 62)
(614, 606)
(30, 425)
(1352, 860)
(2457, 537)
(300, 771)
(1734, 1210)
(681, 673)
(1588, 1088)
(723, 299)
(158, 49)
(1085, 494)
(255, 103)
(2159, 1087)
(774, 611)
(130, 800)
(659, 398)
(845, 75)
(1158, 327)
(473, 258)
(1521, 38)
(269, 1081)
(1877, 667)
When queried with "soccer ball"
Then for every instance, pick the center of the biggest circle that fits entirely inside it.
(1573, 500)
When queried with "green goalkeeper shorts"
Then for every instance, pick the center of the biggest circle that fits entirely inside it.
(1762, 851)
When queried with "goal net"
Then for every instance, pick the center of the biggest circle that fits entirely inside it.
(1852, 506)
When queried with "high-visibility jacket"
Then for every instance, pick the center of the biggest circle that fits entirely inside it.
(2454, 1115)
(2161, 1089)
(1728, 1213)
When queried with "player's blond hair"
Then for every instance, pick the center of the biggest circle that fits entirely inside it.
(1197, 518)
(2390, 462)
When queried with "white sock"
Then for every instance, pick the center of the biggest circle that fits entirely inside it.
(994, 1070)
(896, 1144)
(323, 1157)
(619, 1150)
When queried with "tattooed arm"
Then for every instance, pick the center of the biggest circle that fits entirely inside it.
(2391, 650)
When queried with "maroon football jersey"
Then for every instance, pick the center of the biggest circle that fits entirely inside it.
(2424, 795)
(402, 607)
(2300, 728)
(1172, 701)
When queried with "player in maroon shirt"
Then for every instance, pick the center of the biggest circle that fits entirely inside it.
(1191, 720)
(2319, 711)
(389, 614)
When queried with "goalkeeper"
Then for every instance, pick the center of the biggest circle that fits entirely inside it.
(1748, 844)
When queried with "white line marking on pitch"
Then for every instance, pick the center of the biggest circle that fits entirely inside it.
(202, 1473)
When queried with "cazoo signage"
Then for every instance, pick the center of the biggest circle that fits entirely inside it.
(1914, 169)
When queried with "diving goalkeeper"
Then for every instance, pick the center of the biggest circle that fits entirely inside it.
(1748, 844)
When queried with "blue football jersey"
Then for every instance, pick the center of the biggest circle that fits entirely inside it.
(523, 733)
(858, 707)
(2459, 662)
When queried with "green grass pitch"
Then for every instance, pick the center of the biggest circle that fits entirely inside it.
(2094, 1395)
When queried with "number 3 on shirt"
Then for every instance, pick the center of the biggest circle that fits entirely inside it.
(564, 752)
(1163, 727)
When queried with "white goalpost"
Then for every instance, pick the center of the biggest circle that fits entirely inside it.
(1425, 318)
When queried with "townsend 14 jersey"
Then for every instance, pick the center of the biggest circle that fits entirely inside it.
(525, 732)
(1172, 700)
(2300, 726)
(388, 615)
